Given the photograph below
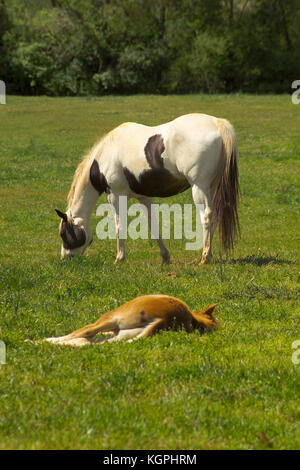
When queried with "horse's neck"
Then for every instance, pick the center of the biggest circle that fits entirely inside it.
(84, 199)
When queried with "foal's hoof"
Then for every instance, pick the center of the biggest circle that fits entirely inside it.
(166, 260)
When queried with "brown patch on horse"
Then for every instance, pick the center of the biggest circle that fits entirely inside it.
(157, 181)
(98, 179)
(153, 151)
(72, 236)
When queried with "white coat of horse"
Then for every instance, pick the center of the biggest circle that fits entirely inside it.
(134, 160)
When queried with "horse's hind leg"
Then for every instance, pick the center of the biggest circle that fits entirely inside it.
(203, 199)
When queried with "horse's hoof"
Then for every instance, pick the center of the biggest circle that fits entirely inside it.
(205, 260)
(119, 260)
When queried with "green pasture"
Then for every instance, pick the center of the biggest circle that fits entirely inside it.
(236, 388)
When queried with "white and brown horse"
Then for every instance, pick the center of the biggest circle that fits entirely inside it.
(133, 160)
(139, 318)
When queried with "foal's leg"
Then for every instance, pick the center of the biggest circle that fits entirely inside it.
(154, 227)
(149, 330)
(136, 333)
(202, 197)
(121, 335)
(133, 333)
(125, 334)
(86, 334)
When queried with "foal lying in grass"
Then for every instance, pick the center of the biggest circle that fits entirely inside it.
(139, 318)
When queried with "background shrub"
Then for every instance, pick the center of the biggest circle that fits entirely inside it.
(68, 47)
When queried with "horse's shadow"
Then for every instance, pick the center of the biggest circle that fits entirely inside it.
(259, 260)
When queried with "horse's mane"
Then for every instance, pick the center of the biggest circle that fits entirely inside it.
(77, 175)
(94, 151)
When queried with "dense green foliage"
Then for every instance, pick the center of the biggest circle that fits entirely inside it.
(71, 47)
(235, 388)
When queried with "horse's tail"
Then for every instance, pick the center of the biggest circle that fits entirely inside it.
(226, 188)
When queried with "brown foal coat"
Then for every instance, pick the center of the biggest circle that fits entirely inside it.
(142, 317)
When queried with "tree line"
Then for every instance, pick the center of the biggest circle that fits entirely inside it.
(94, 47)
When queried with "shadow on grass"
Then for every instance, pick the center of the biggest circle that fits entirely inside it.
(259, 260)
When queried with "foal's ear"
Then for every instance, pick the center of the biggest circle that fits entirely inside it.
(208, 311)
(62, 215)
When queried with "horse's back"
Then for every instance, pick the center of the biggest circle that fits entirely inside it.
(187, 134)
(163, 160)
(194, 143)
(187, 126)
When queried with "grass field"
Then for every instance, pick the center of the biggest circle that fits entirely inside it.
(234, 389)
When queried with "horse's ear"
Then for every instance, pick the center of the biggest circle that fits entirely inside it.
(62, 215)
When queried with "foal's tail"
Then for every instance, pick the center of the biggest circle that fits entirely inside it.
(226, 188)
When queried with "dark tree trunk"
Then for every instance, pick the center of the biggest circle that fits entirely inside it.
(231, 13)
(285, 27)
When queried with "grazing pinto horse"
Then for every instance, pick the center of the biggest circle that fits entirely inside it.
(139, 318)
(133, 160)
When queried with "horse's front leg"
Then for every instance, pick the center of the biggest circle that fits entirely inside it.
(154, 227)
(120, 241)
(114, 200)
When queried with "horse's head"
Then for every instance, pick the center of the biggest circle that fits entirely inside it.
(75, 236)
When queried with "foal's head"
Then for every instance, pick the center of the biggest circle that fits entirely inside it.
(75, 237)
